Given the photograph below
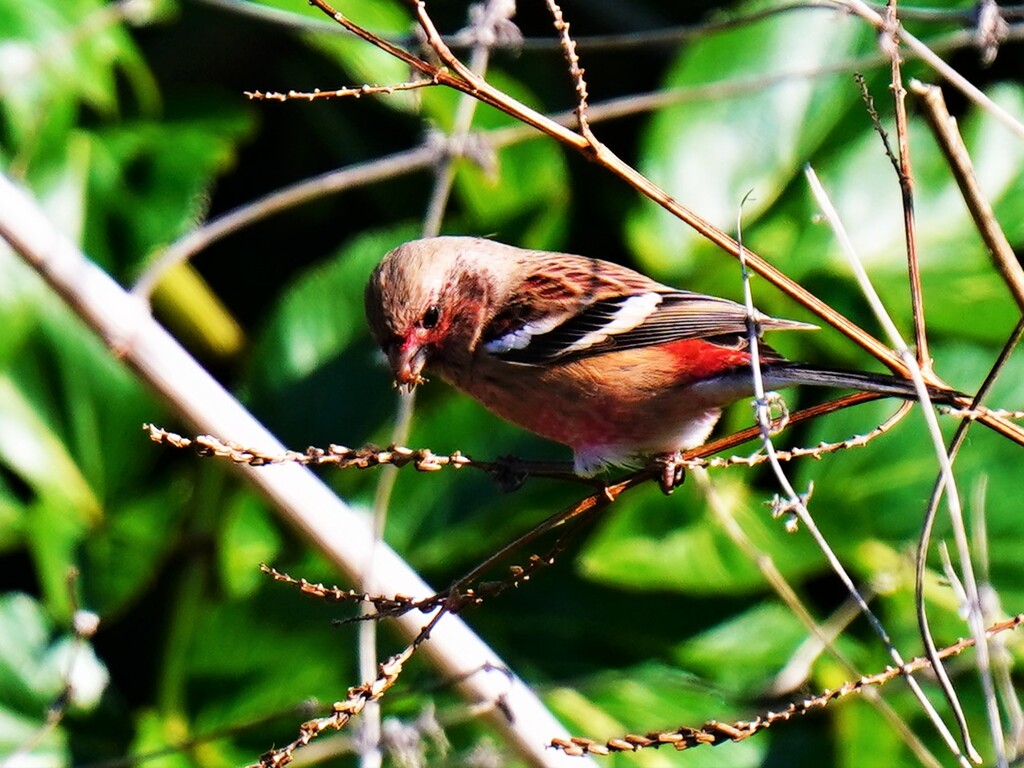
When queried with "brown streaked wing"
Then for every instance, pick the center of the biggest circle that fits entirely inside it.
(681, 315)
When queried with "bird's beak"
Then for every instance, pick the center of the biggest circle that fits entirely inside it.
(407, 361)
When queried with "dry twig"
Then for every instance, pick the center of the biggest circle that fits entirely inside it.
(342, 711)
(905, 176)
(714, 732)
(455, 74)
(355, 92)
(947, 135)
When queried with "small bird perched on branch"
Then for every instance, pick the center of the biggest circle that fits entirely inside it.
(584, 352)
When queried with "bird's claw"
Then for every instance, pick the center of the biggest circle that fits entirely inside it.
(672, 472)
(407, 387)
(509, 474)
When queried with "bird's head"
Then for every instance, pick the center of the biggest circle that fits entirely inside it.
(425, 302)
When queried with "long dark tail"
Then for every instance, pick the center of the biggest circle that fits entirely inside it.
(786, 373)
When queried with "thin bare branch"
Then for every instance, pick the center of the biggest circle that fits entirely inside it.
(355, 92)
(906, 181)
(510, 471)
(84, 625)
(931, 512)
(342, 711)
(669, 37)
(945, 465)
(476, 147)
(464, 80)
(947, 134)
(795, 504)
(814, 452)
(933, 60)
(576, 72)
(334, 528)
(714, 732)
(487, 21)
(1002, 658)
(905, 177)
(822, 637)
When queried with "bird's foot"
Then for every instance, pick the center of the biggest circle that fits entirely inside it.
(510, 472)
(671, 471)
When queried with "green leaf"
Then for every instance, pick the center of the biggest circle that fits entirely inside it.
(55, 57)
(53, 538)
(35, 670)
(12, 517)
(245, 658)
(249, 537)
(648, 697)
(528, 180)
(81, 670)
(858, 724)
(320, 314)
(997, 157)
(744, 653)
(158, 737)
(196, 314)
(654, 544)
(37, 454)
(709, 156)
(879, 491)
(124, 556)
(65, 392)
(861, 184)
(24, 634)
(44, 746)
(150, 181)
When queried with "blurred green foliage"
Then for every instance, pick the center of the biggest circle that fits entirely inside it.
(126, 121)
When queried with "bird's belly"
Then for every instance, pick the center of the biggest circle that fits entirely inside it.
(616, 418)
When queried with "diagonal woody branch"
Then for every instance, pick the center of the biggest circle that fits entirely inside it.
(455, 74)
(603, 155)
(340, 533)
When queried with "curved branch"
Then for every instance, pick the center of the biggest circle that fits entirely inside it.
(341, 534)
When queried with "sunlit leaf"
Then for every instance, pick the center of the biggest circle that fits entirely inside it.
(249, 538)
(39, 456)
(157, 736)
(23, 641)
(30, 741)
(36, 667)
(138, 535)
(197, 313)
(57, 56)
(648, 697)
(711, 154)
(679, 546)
(150, 181)
(745, 652)
(320, 314)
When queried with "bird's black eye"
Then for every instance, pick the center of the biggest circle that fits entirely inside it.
(431, 316)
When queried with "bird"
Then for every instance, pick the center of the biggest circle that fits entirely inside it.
(620, 368)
